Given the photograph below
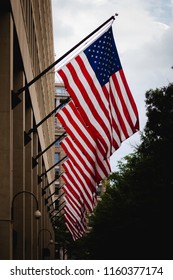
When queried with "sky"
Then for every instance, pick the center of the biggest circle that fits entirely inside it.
(143, 33)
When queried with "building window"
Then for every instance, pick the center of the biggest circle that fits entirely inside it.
(56, 188)
(56, 144)
(61, 91)
(99, 189)
(57, 204)
(56, 173)
(57, 102)
(56, 157)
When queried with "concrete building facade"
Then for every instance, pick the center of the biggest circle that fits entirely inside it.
(26, 49)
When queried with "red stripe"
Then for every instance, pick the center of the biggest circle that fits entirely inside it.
(78, 104)
(71, 175)
(78, 165)
(123, 104)
(69, 167)
(82, 158)
(73, 204)
(94, 91)
(119, 117)
(77, 220)
(70, 230)
(78, 224)
(133, 104)
(82, 211)
(114, 124)
(72, 189)
(69, 191)
(87, 142)
(84, 114)
(81, 131)
(69, 221)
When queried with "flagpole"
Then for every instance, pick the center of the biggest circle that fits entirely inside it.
(59, 210)
(58, 217)
(54, 202)
(34, 159)
(44, 173)
(27, 138)
(44, 189)
(46, 199)
(19, 91)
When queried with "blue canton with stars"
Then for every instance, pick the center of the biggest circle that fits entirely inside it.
(103, 57)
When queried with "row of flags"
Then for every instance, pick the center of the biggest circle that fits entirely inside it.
(99, 117)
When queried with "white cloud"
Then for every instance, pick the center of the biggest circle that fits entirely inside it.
(143, 34)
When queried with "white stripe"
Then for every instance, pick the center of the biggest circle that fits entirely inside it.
(115, 118)
(79, 185)
(104, 162)
(65, 188)
(114, 115)
(83, 143)
(68, 205)
(82, 179)
(78, 209)
(88, 89)
(126, 99)
(82, 155)
(70, 214)
(88, 136)
(69, 209)
(79, 163)
(119, 105)
(75, 230)
(74, 131)
(81, 126)
(86, 108)
(70, 230)
(72, 186)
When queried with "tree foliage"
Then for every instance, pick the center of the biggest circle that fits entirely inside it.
(134, 218)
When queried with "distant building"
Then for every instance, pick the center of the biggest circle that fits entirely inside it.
(60, 96)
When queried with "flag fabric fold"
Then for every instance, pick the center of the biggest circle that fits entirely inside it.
(75, 217)
(80, 184)
(83, 139)
(76, 157)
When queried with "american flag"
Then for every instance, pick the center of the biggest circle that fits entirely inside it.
(100, 116)
(97, 85)
(84, 141)
(80, 184)
(75, 218)
(75, 155)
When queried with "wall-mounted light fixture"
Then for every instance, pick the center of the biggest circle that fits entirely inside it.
(37, 213)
